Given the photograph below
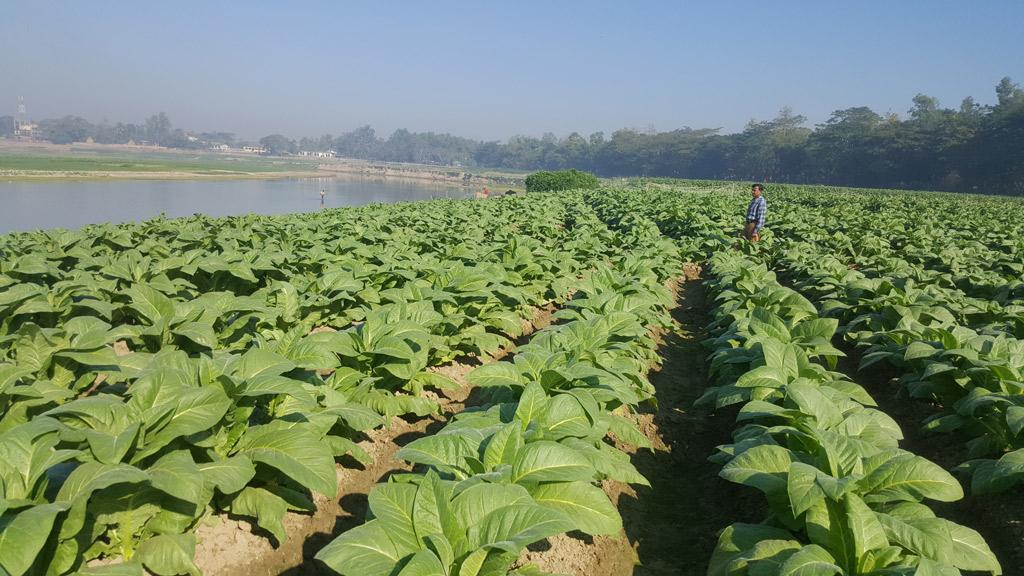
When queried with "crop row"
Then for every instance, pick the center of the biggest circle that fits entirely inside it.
(223, 370)
(936, 296)
(843, 498)
(525, 465)
(975, 377)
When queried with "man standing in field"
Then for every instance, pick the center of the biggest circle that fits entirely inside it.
(755, 214)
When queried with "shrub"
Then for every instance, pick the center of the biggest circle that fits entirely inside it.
(560, 180)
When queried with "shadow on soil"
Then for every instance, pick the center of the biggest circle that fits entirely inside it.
(674, 525)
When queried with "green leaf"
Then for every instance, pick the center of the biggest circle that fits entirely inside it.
(970, 551)
(1015, 419)
(424, 563)
(151, 304)
(92, 476)
(297, 452)
(910, 478)
(392, 505)
(585, 504)
(266, 507)
(546, 461)
(259, 362)
(123, 569)
(201, 334)
(357, 417)
(197, 410)
(565, 417)
(440, 450)
(169, 554)
(864, 526)
(736, 540)
(811, 560)
(498, 374)
(514, 527)
(176, 474)
(503, 446)
(365, 550)
(23, 535)
(811, 401)
(272, 385)
(762, 467)
(228, 475)
(532, 403)
(474, 503)
(802, 487)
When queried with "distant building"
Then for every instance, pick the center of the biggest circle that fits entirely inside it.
(254, 149)
(318, 154)
(24, 129)
(220, 148)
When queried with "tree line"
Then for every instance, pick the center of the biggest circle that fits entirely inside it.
(973, 148)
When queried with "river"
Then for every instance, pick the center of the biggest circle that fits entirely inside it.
(32, 205)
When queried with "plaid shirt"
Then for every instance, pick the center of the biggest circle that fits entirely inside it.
(756, 210)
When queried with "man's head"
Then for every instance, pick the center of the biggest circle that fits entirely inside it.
(756, 190)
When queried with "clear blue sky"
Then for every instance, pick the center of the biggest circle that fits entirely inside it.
(489, 69)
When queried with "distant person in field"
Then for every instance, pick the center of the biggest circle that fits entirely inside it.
(755, 214)
(323, 193)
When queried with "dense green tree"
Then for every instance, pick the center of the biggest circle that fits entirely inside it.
(158, 129)
(278, 144)
(968, 148)
(66, 130)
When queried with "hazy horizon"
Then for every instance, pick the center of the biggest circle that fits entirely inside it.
(490, 72)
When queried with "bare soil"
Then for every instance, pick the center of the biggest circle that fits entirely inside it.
(674, 524)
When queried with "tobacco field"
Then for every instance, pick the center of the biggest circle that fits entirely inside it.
(481, 388)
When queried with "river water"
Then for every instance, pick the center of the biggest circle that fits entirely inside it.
(71, 204)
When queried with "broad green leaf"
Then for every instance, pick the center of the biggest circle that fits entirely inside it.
(585, 504)
(228, 475)
(424, 563)
(736, 540)
(440, 450)
(23, 535)
(266, 507)
(550, 462)
(176, 474)
(503, 446)
(532, 404)
(864, 526)
(811, 560)
(392, 505)
(476, 502)
(514, 527)
(297, 452)
(910, 478)
(802, 487)
(365, 550)
(259, 362)
(169, 554)
(761, 467)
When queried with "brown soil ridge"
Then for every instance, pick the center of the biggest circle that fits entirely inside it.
(232, 546)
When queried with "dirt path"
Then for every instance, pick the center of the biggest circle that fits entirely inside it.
(674, 525)
(998, 518)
